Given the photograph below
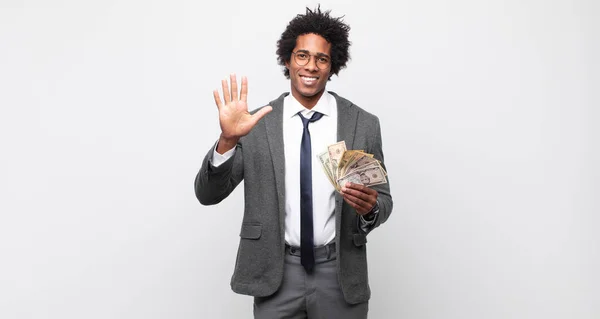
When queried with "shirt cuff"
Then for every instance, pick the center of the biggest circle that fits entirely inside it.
(364, 223)
(218, 159)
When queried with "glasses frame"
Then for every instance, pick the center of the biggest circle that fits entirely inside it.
(318, 55)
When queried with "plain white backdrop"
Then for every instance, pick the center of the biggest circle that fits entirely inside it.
(488, 112)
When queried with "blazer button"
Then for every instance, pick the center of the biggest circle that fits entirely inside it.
(293, 250)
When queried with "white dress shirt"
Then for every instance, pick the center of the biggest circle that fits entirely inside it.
(323, 133)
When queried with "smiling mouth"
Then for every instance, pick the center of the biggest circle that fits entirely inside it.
(309, 80)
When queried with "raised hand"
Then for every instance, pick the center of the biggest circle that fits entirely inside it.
(234, 118)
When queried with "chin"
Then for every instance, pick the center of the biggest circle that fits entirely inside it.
(308, 94)
(311, 93)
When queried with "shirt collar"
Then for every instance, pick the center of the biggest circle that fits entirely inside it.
(291, 106)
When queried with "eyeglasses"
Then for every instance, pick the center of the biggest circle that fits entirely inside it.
(302, 58)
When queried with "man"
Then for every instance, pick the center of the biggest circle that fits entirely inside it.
(302, 249)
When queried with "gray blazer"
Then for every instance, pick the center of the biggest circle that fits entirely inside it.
(259, 160)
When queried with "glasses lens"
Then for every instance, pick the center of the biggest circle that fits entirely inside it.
(322, 62)
(301, 58)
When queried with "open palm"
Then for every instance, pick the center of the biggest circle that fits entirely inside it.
(234, 118)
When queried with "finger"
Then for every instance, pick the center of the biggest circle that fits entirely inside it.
(217, 99)
(360, 205)
(350, 201)
(353, 205)
(234, 89)
(226, 95)
(354, 192)
(244, 92)
(363, 192)
(361, 188)
(261, 113)
(369, 198)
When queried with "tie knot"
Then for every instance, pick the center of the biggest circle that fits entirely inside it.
(315, 117)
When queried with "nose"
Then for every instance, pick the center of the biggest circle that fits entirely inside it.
(312, 64)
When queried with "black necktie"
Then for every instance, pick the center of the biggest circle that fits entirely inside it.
(307, 254)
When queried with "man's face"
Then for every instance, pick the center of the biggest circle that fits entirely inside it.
(309, 81)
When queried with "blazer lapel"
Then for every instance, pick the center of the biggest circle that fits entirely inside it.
(346, 123)
(346, 127)
(274, 128)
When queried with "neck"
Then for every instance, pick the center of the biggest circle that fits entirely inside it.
(307, 101)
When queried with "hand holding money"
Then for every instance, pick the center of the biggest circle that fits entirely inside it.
(355, 166)
(351, 173)
(361, 197)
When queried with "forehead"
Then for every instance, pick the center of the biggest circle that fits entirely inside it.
(313, 43)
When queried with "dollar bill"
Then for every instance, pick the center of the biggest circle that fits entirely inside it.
(368, 176)
(360, 168)
(358, 159)
(362, 164)
(347, 158)
(356, 166)
(352, 178)
(325, 163)
(336, 151)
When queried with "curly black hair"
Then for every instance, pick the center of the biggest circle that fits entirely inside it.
(334, 30)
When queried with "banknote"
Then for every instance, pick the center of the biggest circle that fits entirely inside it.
(371, 165)
(325, 163)
(368, 176)
(364, 164)
(358, 159)
(336, 151)
(352, 178)
(356, 166)
(347, 158)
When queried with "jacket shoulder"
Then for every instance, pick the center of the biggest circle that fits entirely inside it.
(345, 105)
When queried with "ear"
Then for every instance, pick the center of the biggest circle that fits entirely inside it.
(287, 64)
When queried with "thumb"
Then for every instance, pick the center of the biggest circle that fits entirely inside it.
(261, 113)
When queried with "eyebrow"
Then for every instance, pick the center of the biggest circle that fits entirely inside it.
(317, 54)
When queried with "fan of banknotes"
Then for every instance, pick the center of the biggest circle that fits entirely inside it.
(354, 166)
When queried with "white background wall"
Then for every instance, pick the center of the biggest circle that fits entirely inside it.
(488, 110)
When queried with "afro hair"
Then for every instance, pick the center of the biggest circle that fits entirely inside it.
(334, 30)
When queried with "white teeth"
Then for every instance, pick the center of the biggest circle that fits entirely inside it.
(308, 80)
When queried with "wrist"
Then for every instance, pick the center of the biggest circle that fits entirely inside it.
(226, 143)
(369, 216)
(372, 213)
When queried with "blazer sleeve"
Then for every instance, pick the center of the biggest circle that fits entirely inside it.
(213, 184)
(384, 198)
